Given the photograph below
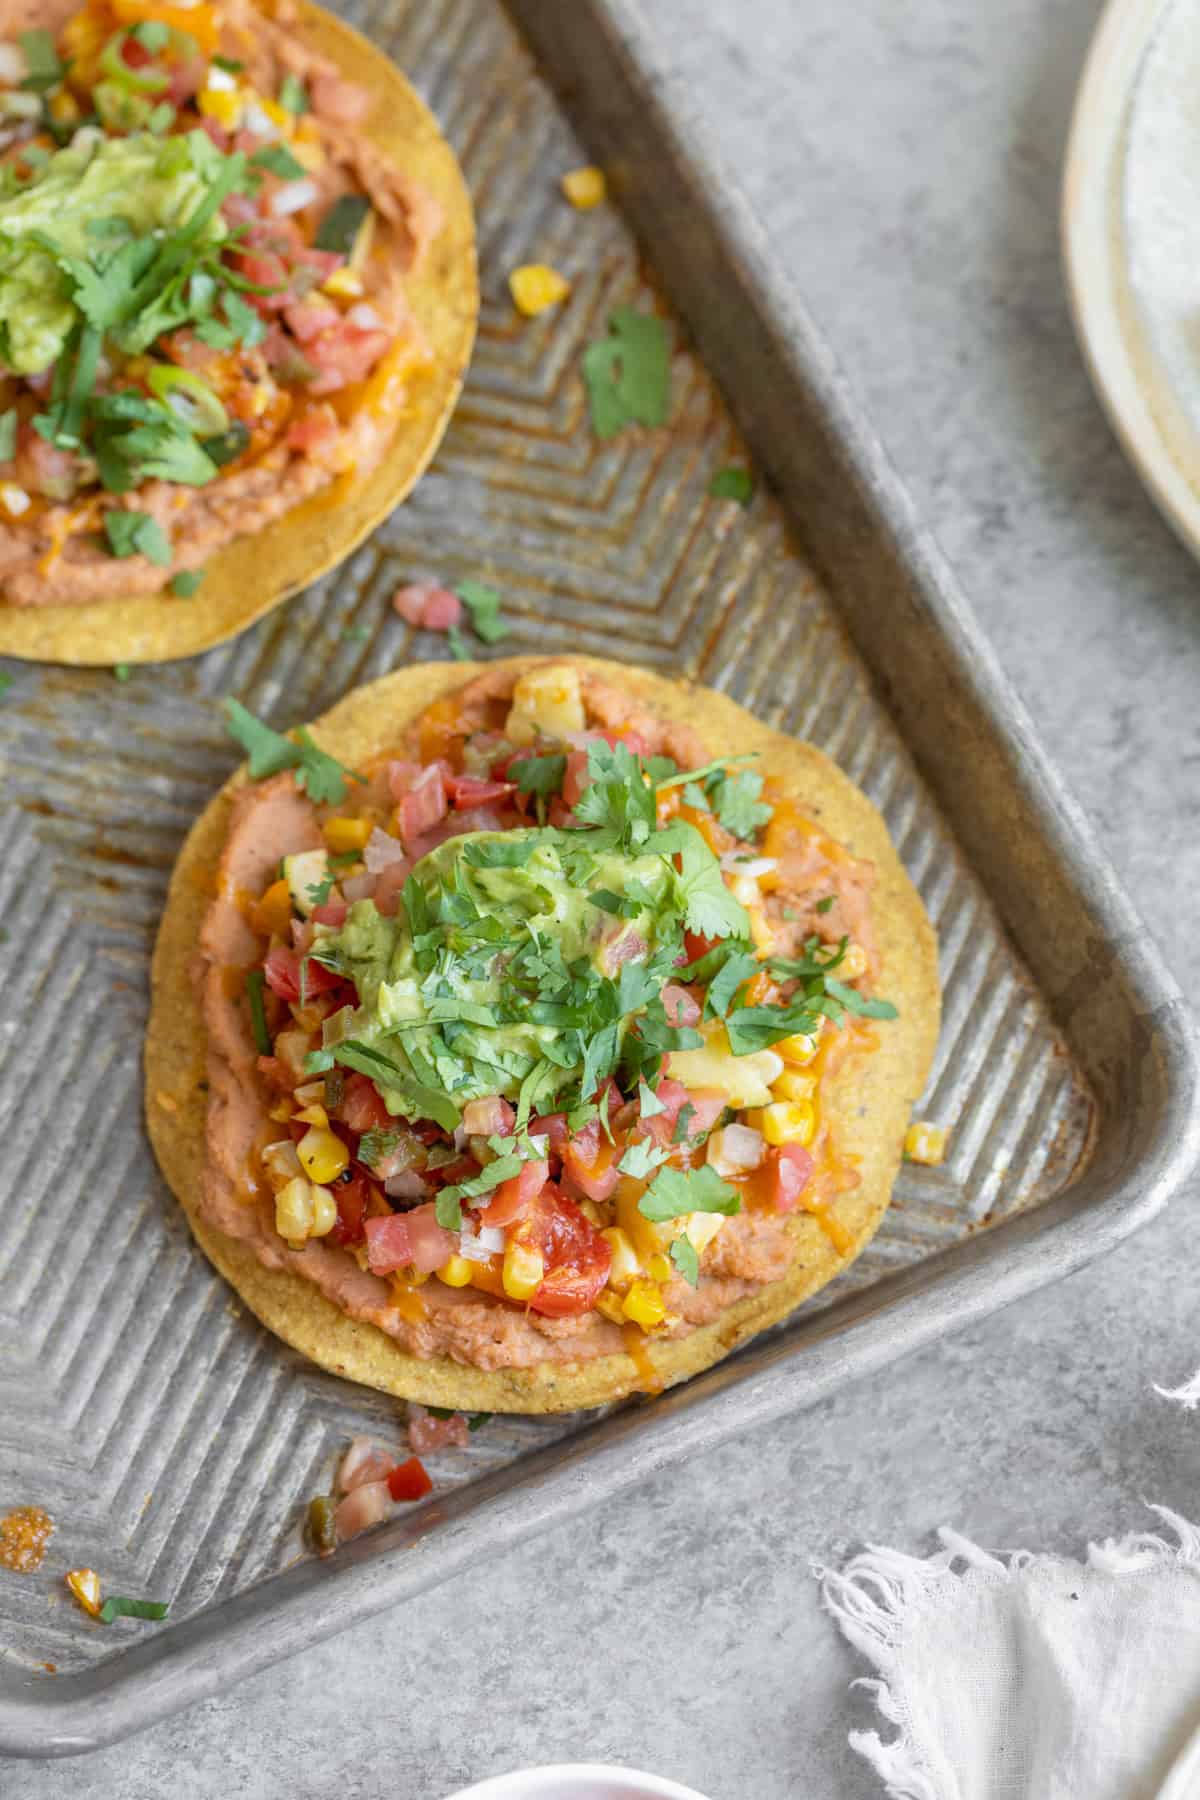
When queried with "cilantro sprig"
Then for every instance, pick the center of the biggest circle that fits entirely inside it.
(628, 373)
(268, 752)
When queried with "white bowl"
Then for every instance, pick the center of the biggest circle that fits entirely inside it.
(578, 1781)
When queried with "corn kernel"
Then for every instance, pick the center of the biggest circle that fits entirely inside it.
(310, 1093)
(306, 150)
(85, 1585)
(761, 935)
(535, 286)
(788, 1122)
(281, 1163)
(314, 1115)
(798, 1049)
(325, 1212)
(294, 1210)
(322, 1154)
(792, 1085)
(281, 1112)
(659, 1267)
(523, 1271)
(64, 109)
(701, 1228)
(585, 187)
(278, 115)
(343, 284)
(456, 1271)
(853, 964)
(625, 1265)
(644, 1304)
(609, 1304)
(346, 834)
(925, 1143)
(226, 109)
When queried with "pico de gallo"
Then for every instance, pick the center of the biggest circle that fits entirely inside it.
(203, 315)
(541, 1017)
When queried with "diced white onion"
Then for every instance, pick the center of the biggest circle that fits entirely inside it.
(363, 1507)
(492, 1239)
(14, 499)
(382, 849)
(13, 67)
(471, 1249)
(359, 887)
(88, 137)
(259, 122)
(541, 1144)
(220, 80)
(15, 104)
(407, 1185)
(753, 866)
(281, 1159)
(293, 197)
(735, 1150)
(461, 1134)
(364, 317)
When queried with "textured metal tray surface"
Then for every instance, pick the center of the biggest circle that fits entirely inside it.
(175, 1442)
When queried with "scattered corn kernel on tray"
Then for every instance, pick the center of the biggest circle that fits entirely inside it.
(173, 1442)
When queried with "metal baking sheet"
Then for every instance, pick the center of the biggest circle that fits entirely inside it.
(174, 1442)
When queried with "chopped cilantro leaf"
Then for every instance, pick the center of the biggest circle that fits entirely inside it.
(447, 1210)
(6, 681)
(683, 1255)
(854, 1002)
(734, 972)
(675, 1192)
(457, 644)
(186, 582)
(683, 1124)
(293, 96)
(483, 603)
(318, 774)
(375, 1146)
(641, 1158)
(678, 778)
(8, 434)
(122, 671)
(152, 35)
(278, 160)
(732, 484)
(735, 800)
(825, 905)
(648, 1102)
(136, 533)
(539, 774)
(496, 853)
(628, 373)
(44, 70)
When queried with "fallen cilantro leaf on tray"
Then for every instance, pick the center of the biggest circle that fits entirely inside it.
(732, 484)
(628, 373)
(483, 603)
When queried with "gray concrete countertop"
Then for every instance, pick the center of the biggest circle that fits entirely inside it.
(907, 161)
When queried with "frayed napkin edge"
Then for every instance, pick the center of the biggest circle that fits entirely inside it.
(873, 1599)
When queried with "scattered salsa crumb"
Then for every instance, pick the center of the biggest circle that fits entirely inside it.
(24, 1534)
(535, 287)
(369, 1480)
(84, 1584)
(428, 608)
(925, 1143)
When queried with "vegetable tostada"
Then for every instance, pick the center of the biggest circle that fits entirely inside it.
(531, 1035)
(237, 300)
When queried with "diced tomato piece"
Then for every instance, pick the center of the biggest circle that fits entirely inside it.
(344, 354)
(493, 1117)
(590, 1161)
(554, 1126)
(575, 778)
(680, 1006)
(134, 54)
(427, 1433)
(514, 1197)
(577, 1258)
(787, 1173)
(388, 1243)
(389, 886)
(431, 1244)
(43, 468)
(275, 1073)
(424, 805)
(696, 946)
(409, 1480)
(361, 1106)
(218, 134)
(402, 777)
(332, 913)
(560, 814)
(351, 1197)
(427, 607)
(308, 318)
(282, 969)
(470, 790)
(314, 429)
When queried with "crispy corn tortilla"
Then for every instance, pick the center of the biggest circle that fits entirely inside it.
(255, 573)
(868, 1103)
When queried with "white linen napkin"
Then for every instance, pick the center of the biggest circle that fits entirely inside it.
(1034, 1678)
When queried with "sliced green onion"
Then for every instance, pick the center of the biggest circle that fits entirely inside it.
(190, 398)
(293, 96)
(120, 1606)
(146, 80)
(321, 1529)
(255, 981)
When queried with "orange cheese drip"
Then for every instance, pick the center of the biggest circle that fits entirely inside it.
(634, 1339)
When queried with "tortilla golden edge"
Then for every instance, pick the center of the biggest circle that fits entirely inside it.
(870, 1110)
(323, 531)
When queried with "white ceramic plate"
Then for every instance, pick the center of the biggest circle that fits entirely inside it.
(578, 1781)
(1131, 238)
